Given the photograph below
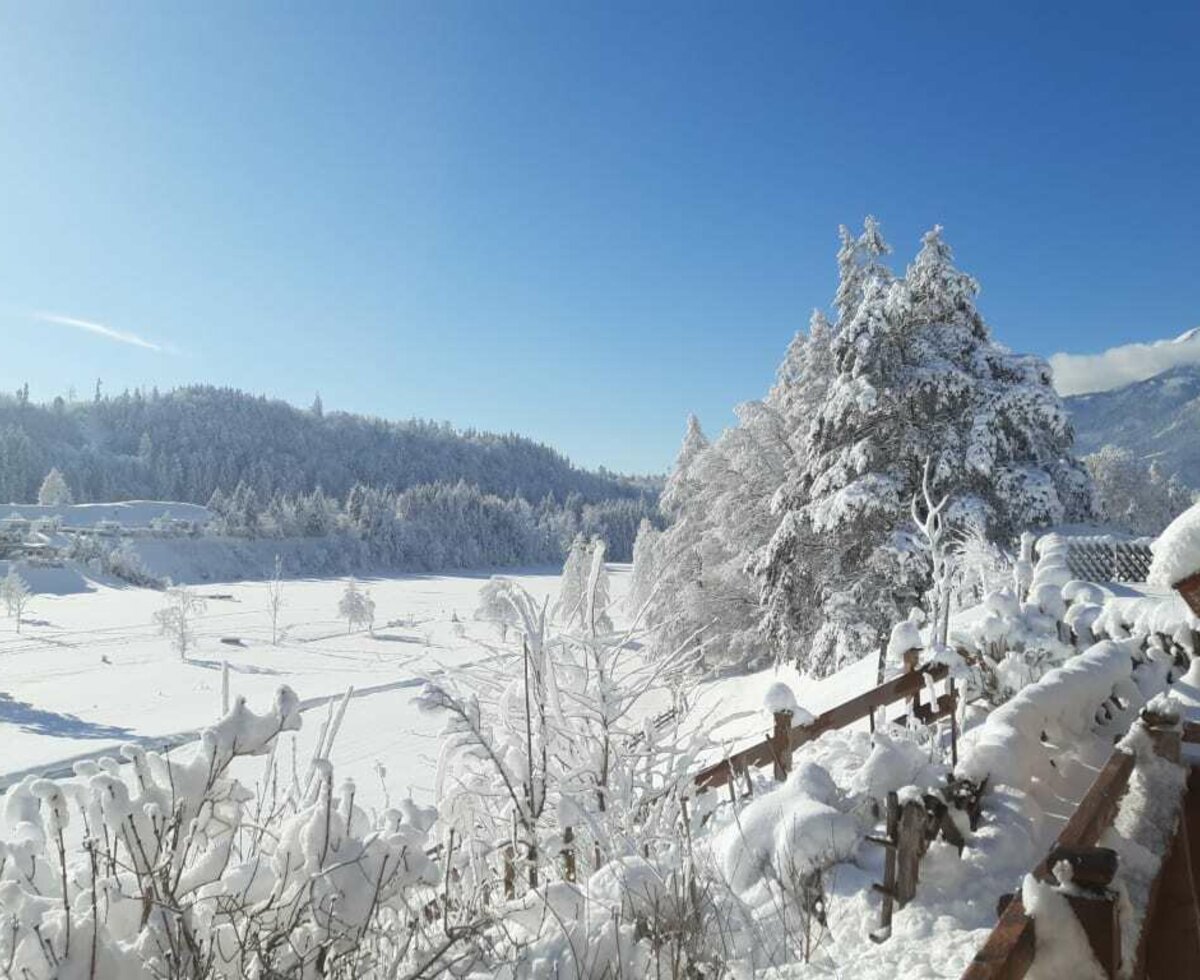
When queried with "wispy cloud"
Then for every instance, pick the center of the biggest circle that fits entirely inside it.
(101, 330)
(1076, 374)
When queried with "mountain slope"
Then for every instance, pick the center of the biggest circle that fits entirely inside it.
(1158, 418)
(186, 443)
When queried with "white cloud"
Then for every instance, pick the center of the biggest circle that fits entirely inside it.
(1076, 374)
(120, 336)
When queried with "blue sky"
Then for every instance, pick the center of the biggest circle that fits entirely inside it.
(575, 221)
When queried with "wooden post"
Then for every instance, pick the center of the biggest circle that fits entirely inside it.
(1189, 588)
(910, 847)
(1171, 936)
(781, 744)
(911, 659)
(953, 724)
(888, 888)
(1092, 901)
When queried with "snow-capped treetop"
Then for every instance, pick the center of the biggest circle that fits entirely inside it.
(1177, 550)
(859, 264)
(694, 443)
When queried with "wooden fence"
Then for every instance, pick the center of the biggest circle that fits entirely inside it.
(1169, 944)
(776, 750)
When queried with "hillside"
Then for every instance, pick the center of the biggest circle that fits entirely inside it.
(187, 443)
(1157, 418)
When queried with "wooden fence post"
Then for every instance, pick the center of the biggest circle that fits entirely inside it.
(888, 888)
(781, 744)
(910, 847)
(1092, 901)
(953, 723)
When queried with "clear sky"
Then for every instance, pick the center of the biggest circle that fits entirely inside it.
(575, 221)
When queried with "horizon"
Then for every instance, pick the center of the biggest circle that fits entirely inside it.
(574, 224)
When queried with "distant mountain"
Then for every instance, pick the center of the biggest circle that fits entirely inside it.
(1158, 418)
(187, 443)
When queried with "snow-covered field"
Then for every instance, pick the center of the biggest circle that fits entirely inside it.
(90, 670)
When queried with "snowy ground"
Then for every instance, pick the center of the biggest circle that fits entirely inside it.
(90, 671)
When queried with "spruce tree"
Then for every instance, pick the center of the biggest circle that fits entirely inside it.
(918, 378)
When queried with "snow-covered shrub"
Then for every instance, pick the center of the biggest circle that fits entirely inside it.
(546, 774)
(1014, 642)
(176, 870)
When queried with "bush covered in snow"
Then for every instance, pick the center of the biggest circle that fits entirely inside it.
(171, 868)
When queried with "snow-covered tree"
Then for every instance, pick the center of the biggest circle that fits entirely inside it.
(16, 595)
(54, 491)
(860, 262)
(544, 749)
(583, 587)
(1134, 496)
(917, 377)
(176, 619)
(645, 569)
(697, 573)
(679, 484)
(356, 607)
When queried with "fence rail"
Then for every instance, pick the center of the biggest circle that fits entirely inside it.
(776, 749)
(1009, 951)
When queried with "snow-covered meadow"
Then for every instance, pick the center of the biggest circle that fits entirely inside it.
(90, 669)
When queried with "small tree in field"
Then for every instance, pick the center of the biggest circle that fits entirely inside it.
(16, 595)
(54, 491)
(356, 607)
(177, 615)
(275, 599)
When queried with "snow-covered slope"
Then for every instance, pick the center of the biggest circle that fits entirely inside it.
(1157, 418)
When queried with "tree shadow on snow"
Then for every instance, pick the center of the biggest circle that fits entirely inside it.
(40, 722)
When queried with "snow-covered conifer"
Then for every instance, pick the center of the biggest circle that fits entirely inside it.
(356, 607)
(54, 491)
(917, 377)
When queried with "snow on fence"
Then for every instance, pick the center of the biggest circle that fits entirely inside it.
(776, 750)
(1157, 933)
(1102, 558)
(910, 823)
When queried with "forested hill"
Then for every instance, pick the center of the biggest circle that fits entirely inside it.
(186, 443)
